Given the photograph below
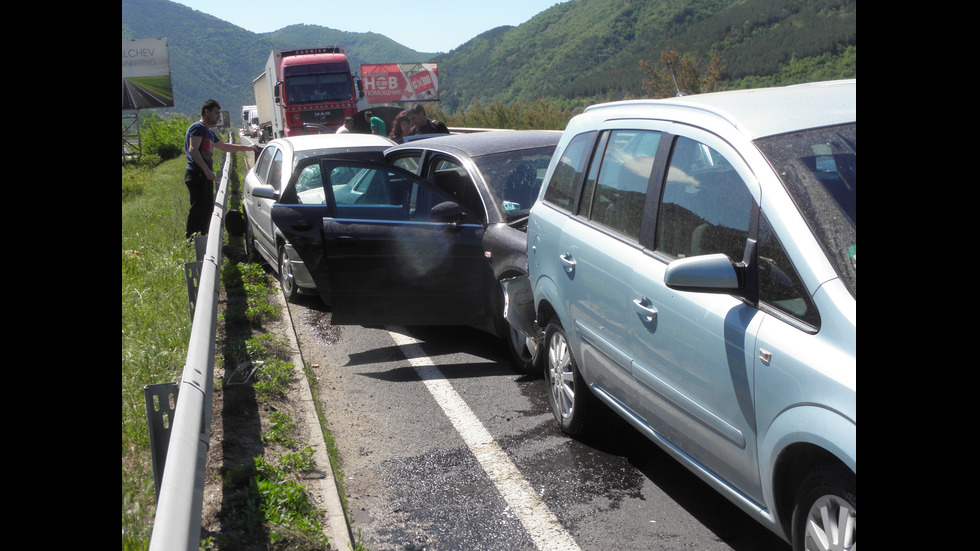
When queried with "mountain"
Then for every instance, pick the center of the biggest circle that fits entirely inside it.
(579, 50)
(592, 48)
(361, 47)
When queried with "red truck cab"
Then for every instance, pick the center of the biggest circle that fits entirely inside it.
(316, 86)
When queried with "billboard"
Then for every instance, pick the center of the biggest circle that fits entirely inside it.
(146, 74)
(394, 82)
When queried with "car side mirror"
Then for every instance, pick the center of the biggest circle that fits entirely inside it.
(265, 192)
(710, 273)
(449, 212)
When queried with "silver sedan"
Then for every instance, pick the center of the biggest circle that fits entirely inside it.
(276, 174)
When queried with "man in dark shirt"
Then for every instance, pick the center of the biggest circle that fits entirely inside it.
(199, 144)
(422, 124)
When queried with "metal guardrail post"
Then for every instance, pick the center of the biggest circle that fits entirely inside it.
(161, 400)
(177, 524)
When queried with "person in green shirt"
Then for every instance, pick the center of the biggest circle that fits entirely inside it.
(377, 125)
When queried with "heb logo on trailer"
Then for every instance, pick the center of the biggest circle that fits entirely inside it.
(395, 82)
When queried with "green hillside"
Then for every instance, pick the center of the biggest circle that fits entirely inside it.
(580, 51)
(361, 47)
(592, 48)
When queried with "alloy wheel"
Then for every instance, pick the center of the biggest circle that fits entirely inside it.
(561, 376)
(831, 525)
(286, 277)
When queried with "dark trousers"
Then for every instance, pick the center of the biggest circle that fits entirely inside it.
(201, 191)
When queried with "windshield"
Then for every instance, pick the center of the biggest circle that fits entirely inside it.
(514, 178)
(318, 87)
(819, 169)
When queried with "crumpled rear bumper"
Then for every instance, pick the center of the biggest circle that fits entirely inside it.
(519, 307)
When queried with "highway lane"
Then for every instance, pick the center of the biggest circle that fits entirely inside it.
(446, 446)
(414, 482)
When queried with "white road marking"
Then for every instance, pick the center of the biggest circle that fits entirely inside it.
(540, 523)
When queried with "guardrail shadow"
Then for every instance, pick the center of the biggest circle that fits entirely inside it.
(238, 440)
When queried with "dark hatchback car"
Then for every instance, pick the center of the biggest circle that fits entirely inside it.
(424, 236)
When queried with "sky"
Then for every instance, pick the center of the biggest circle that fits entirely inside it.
(424, 26)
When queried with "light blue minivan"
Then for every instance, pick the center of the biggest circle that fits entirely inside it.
(692, 264)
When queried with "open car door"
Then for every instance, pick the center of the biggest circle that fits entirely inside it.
(389, 248)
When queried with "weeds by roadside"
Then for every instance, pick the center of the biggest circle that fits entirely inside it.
(269, 506)
(250, 283)
(265, 505)
(155, 324)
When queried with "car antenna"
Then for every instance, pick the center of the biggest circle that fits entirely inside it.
(676, 87)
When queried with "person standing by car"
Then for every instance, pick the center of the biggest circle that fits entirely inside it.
(400, 127)
(377, 125)
(424, 125)
(199, 144)
(348, 125)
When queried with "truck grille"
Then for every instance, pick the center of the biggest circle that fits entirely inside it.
(323, 116)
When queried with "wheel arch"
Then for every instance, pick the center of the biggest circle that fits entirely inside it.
(793, 449)
(545, 296)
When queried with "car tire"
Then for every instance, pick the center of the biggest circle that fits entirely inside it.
(525, 353)
(825, 513)
(570, 399)
(250, 255)
(286, 279)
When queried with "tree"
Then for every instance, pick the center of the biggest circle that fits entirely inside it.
(681, 75)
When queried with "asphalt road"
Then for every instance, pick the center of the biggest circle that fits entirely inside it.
(446, 446)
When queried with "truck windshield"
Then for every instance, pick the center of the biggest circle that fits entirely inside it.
(318, 87)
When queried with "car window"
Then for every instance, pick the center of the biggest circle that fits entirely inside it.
(450, 177)
(360, 190)
(275, 171)
(819, 169)
(620, 187)
(363, 186)
(571, 163)
(370, 193)
(309, 186)
(705, 207)
(779, 285)
(514, 178)
(262, 166)
(409, 163)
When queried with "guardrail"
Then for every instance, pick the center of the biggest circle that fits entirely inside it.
(180, 489)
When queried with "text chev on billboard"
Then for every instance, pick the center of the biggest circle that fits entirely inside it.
(393, 82)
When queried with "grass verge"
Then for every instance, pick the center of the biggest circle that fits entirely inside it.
(264, 503)
(156, 322)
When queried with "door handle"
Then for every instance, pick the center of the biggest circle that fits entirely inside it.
(345, 240)
(645, 310)
(567, 262)
(301, 226)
